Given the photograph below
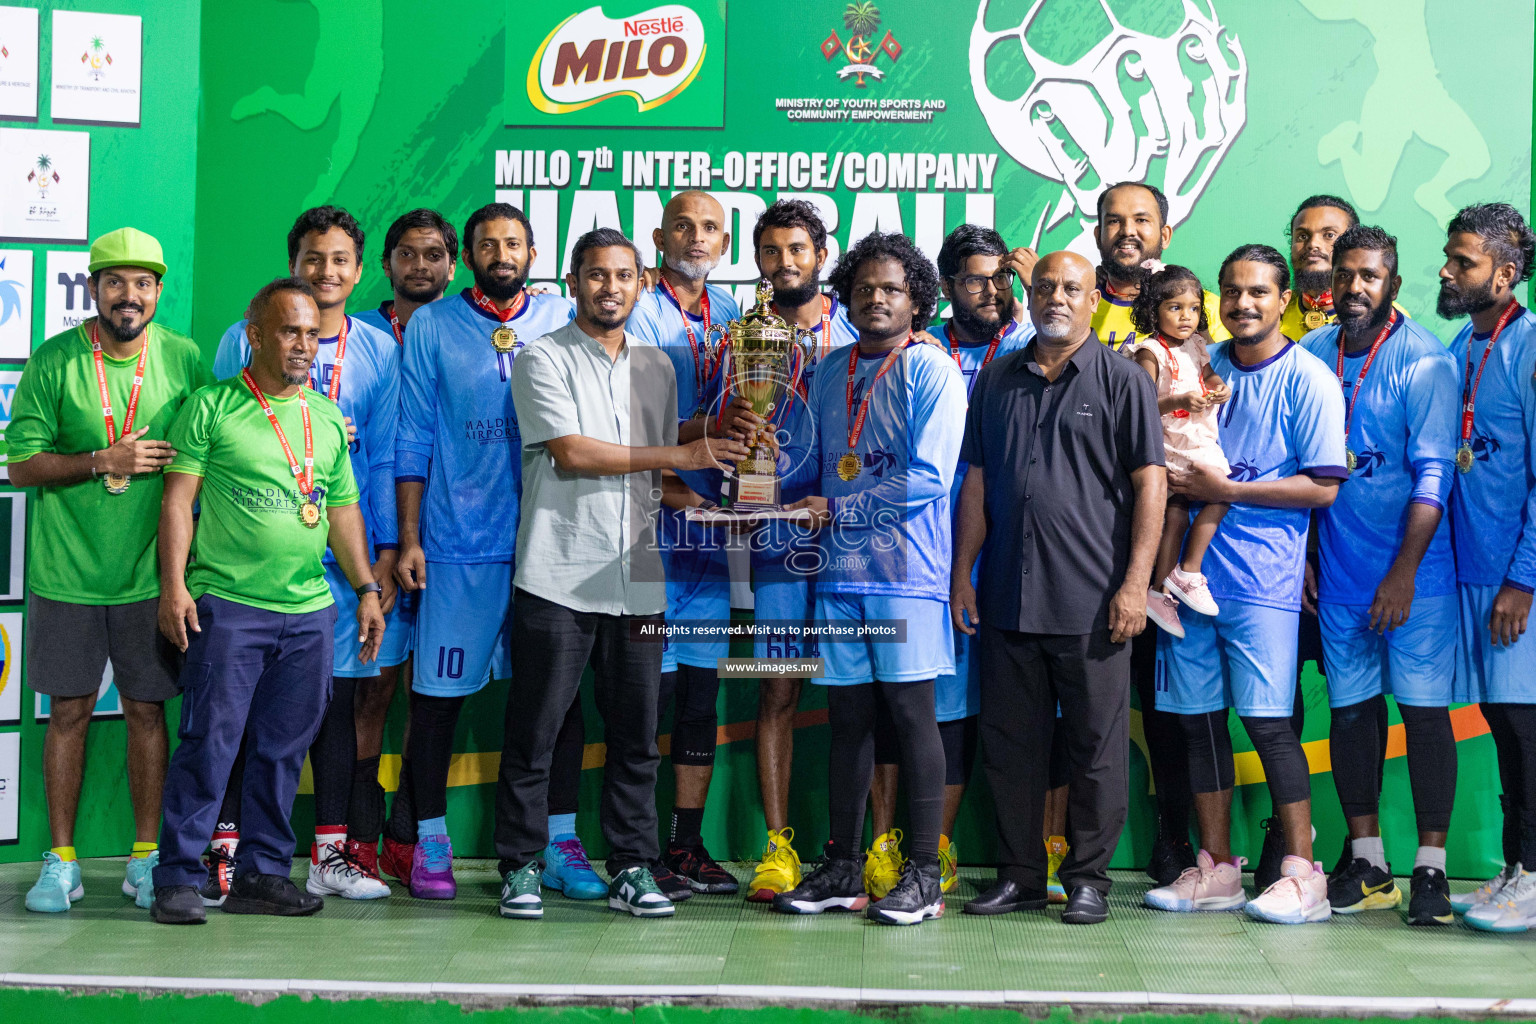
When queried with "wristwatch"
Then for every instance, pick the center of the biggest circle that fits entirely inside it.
(369, 588)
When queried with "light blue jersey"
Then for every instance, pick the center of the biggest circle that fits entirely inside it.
(379, 317)
(1403, 434)
(890, 495)
(458, 430)
(1285, 417)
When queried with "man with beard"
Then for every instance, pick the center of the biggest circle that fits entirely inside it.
(1315, 227)
(87, 424)
(599, 421)
(790, 241)
(1066, 490)
(253, 609)
(676, 317)
(1493, 518)
(420, 251)
(458, 484)
(357, 367)
(1283, 432)
(1387, 587)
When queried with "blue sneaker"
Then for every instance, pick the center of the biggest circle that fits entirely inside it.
(57, 886)
(144, 887)
(138, 867)
(566, 868)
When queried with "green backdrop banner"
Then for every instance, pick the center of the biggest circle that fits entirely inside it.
(910, 116)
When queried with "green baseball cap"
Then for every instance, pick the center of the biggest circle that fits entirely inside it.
(127, 247)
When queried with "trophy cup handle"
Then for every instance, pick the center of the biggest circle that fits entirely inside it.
(716, 350)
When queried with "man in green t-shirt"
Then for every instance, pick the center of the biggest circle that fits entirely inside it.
(87, 436)
(246, 598)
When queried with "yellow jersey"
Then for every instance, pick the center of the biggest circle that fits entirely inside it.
(1293, 326)
(1112, 321)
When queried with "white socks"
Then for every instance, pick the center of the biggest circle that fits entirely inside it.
(1430, 857)
(1371, 848)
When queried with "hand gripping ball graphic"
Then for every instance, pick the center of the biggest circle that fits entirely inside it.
(1134, 107)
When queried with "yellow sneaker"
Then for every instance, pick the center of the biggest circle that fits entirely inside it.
(778, 871)
(1055, 853)
(949, 865)
(882, 864)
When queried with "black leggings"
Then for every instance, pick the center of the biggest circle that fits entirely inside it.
(1358, 745)
(331, 757)
(696, 720)
(1167, 752)
(1514, 738)
(1211, 769)
(852, 711)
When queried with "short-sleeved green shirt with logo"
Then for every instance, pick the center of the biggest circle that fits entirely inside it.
(250, 546)
(88, 546)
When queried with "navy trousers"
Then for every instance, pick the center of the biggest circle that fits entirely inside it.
(254, 673)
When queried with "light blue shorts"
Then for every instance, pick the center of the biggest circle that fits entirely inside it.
(929, 650)
(1484, 672)
(787, 601)
(399, 625)
(957, 694)
(1244, 658)
(1416, 662)
(698, 589)
(463, 632)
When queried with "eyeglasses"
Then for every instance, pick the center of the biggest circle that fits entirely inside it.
(974, 283)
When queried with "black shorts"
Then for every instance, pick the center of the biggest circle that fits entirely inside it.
(69, 645)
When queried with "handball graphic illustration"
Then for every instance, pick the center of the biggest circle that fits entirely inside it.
(1135, 106)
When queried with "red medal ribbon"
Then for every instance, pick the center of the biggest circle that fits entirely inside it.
(1469, 385)
(954, 350)
(1173, 371)
(334, 388)
(480, 299)
(856, 421)
(826, 325)
(305, 476)
(1323, 302)
(1370, 357)
(701, 369)
(106, 398)
(394, 324)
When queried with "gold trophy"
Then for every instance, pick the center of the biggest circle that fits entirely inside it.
(759, 350)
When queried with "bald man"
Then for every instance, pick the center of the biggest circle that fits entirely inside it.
(1066, 488)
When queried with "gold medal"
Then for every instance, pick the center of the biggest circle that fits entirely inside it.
(1464, 458)
(309, 514)
(1312, 319)
(116, 483)
(503, 339)
(1350, 459)
(848, 467)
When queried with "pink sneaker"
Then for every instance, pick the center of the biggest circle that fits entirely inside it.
(1191, 588)
(432, 869)
(1299, 897)
(1206, 886)
(1164, 613)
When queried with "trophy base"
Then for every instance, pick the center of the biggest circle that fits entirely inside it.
(747, 514)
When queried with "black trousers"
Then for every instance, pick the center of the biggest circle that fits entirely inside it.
(1023, 677)
(551, 647)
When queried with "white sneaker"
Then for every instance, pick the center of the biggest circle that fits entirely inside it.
(1512, 910)
(1206, 886)
(1164, 613)
(1462, 902)
(1299, 897)
(1191, 588)
(333, 871)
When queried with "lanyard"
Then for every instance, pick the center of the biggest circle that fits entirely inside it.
(856, 421)
(826, 326)
(1323, 303)
(479, 298)
(1381, 336)
(334, 388)
(1173, 371)
(106, 398)
(701, 371)
(1470, 385)
(306, 476)
(954, 350)
(394, 324)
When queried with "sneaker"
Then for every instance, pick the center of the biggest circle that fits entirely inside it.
(177, 904)
(634, 891)
(1170, 859)
(882, 864)
(1164, 613)
(520, 895)
(1299, 897)
(1429, 897)
(1363, 886)
(694, 865)
(1267, 872)
(134, 873)
(1206, 886)
(58, 885)
(1485, 893)
(1512, 910)
(917, 896)
(144, 890)
(778, 871)
(567, 870)
(268, 894)
(221, 871)
(949, 865)
(1191, 588)
(397, 859)
(432, 869)
(366, 855)
(1055, 853)
(334, 871)
(838, 884)
(1346, 858)
(672, 887)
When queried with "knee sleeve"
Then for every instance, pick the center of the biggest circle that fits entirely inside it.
(1354, 741)
(1211, 769)
(959, 739)
(697, 718)
(1061, 761)
(1285, 765)
(1431, 765)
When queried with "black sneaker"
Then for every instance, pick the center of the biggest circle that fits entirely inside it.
(1364, 886)
(694, 865)
(221, 869)
(838, 884)
(672, 887)
(1429, 900)
(269, 894)
(1170, 859)
(181, 904)
(1267, 872)
(916, 897)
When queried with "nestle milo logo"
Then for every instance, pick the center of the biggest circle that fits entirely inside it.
(589, 57)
